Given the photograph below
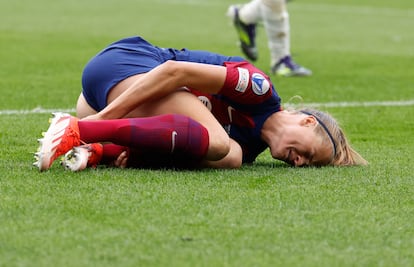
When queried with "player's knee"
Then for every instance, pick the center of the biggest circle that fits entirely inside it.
(234, 160)
(235, 155)
(219, 147)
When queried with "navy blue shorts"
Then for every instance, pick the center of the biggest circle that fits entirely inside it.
(114, 64)
(131, 56)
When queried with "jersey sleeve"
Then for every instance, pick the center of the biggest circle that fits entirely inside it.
(246, 84)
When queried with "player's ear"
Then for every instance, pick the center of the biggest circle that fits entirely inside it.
(309, 121)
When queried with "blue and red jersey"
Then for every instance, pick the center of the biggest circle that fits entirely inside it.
(244, 103)
(246, 100)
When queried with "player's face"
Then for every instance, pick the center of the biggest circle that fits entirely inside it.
(301, 146)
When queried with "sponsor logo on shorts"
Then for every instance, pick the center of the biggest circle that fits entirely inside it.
(260, 85)
(243, 80)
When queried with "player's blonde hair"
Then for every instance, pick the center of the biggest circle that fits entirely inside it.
(328, 128)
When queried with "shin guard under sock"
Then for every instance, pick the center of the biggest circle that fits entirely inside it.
(166, 134)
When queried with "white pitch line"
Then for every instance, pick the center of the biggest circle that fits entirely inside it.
(402, 103)
(37, 110)
(356, 104)
(355, 9)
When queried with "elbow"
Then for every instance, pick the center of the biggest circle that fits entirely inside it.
(173, 72)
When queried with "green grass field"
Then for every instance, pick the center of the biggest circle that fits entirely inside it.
(267, 214)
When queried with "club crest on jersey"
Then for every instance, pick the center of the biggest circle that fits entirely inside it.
(243, 81)
(260, 85)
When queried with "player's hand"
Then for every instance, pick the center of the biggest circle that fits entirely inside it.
(122, 160)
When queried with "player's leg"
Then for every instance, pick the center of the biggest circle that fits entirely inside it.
(277, 26)
(83, 109)
(166, 134)
(194, 120)
(276, 23)
(185, 103)
(245, 18)
(232, 160)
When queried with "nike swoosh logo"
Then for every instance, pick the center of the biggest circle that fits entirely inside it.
(173, 137)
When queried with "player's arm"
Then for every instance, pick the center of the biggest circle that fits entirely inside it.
(245, 84)
(163, 80)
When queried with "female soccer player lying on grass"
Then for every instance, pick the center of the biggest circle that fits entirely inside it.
(185, 108)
